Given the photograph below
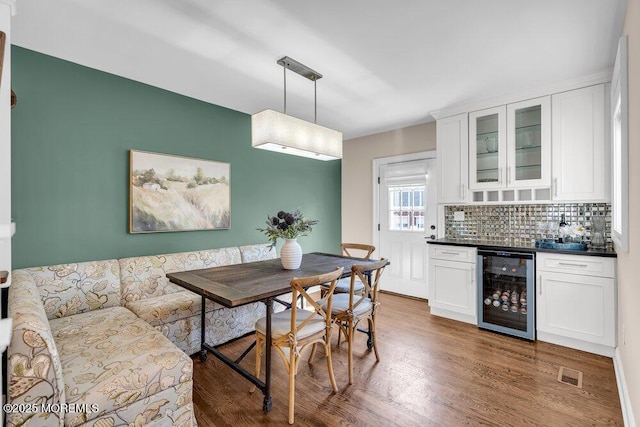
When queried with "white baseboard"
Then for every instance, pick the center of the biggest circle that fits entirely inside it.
(602, 350)
(453, 315)
(625, 403)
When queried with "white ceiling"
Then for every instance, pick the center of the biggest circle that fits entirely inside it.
(386, 63)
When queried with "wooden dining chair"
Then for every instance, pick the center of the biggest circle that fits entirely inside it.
(292, 331)
(349, 309)
(356, 250)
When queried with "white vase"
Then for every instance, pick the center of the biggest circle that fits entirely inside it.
(291, 254)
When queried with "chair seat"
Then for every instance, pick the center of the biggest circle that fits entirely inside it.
(344, 286)
(281, 324)
(341, 303)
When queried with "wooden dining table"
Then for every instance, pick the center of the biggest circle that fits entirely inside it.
(246, 283)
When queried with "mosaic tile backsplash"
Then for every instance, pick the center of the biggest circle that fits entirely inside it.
(521, 225)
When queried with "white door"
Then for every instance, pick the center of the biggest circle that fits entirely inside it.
(408, 217)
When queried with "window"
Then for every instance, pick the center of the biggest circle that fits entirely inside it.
(620, 150)
(406, 207)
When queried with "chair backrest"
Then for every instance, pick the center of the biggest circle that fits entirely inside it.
(361, 272)
(298, 286)
(357, 250)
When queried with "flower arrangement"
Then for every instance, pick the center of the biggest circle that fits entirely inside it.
(287, 225)
(572, 233)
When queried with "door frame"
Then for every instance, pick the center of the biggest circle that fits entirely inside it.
(376, 163)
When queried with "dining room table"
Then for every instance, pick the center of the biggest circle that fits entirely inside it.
(260, 281)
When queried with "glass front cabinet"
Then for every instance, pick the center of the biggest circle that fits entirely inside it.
(510, 146)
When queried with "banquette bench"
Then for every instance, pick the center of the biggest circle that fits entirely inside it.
(104, 343)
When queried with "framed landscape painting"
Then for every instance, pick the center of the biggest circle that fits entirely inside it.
(173, 193)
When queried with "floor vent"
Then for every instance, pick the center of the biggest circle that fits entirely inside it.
(570, 376)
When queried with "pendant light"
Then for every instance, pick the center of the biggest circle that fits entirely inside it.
(279, 132)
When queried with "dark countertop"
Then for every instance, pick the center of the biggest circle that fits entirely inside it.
(513, 246)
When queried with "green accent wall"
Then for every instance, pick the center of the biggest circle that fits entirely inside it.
(72, 130)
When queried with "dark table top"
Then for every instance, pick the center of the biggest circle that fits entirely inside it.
(239, 284)
(513, 246)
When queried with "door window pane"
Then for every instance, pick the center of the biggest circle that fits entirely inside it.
(406, 208)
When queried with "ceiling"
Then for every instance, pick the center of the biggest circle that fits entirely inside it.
(386, 64)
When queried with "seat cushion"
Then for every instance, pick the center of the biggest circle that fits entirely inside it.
(340, 303)
(112, 358)
(169, 308)
(281, 324)
(344, 286)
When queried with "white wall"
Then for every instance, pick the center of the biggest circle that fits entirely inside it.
(5, 142)
(629, 262)
(357, 175)
(5, 161)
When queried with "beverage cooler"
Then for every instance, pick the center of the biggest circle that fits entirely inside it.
(506, 292)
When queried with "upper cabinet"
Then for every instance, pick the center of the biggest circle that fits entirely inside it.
(452, 136)
(581, 158)
(529, 143)
(487, 148)
(510, 152)
(548, 149)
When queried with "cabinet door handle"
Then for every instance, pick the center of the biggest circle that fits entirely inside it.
(539, 285)
(555, 187)
(499, 175)
(450, 253)
(509, 175)
(571, 264)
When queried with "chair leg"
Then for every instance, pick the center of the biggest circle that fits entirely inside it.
(312, 353)
(332, 378)
(258, 360)
(351, 328)
(372, 330)
(292, 383)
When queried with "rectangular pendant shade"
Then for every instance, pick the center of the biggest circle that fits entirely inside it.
(274, 131)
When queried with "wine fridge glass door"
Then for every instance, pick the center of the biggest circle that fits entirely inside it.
(506, 293)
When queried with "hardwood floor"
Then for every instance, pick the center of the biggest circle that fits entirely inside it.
(432, 372)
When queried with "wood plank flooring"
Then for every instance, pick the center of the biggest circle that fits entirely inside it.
(432, 372)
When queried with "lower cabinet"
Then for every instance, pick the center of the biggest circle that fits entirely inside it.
(452, 282)
(576, 302)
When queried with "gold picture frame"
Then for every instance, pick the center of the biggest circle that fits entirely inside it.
(175, 193)
(3, 38)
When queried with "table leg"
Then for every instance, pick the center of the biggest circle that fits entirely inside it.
(267, 403)
(203, 351)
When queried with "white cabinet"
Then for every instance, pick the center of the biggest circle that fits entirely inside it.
(487, 148)
(580, 149)
(510, 148)
(452, 282)
(529, 143)
(576, 301)
(452, 136)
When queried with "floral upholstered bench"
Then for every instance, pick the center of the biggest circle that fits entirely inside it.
(108, 342)
(88, 360)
